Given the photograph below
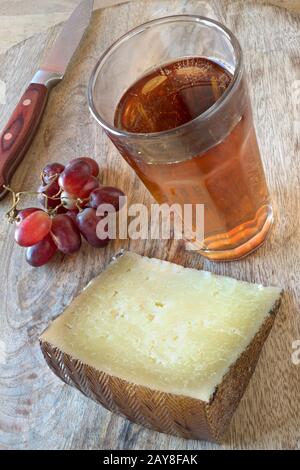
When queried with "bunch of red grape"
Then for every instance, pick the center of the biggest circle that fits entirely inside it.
(70, 196)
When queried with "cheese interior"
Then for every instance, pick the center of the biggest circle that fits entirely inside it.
(158, 324)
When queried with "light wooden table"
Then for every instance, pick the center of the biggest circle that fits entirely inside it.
(37, 411)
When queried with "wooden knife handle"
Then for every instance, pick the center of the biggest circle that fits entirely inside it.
(20, 130)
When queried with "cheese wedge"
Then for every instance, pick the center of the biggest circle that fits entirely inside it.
(146, 332)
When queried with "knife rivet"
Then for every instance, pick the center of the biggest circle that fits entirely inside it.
(26, 102)
(7, 136)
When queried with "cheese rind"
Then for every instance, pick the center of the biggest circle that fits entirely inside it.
(163, 326)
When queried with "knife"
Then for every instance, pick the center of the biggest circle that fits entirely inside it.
(23, 123)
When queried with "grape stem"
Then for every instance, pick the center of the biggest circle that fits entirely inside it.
(79, 203)
(51, 178)
(56, 197)
(12, 214)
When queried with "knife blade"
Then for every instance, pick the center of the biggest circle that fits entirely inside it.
(18, 133)
(66, 44)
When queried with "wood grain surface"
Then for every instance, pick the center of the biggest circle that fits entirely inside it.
(293, 5)
(21, 19)
(37, 411)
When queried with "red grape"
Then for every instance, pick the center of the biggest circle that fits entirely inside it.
(65, 234)
(73, 215)
(60, 224)
(52, 190)
(39, 254)
(50, 171)
(33, 228)
(106, 195)
(25, 213)
(74, 176)
(68, 200)
(91, 162)
(87, 221)
(91, 184)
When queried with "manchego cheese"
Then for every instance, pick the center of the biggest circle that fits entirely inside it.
(159, 325)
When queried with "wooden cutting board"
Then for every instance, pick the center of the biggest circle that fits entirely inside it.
(37, 411)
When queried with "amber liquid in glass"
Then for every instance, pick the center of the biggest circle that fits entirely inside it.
(228, 178)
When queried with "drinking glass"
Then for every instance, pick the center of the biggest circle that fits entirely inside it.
(214, 158)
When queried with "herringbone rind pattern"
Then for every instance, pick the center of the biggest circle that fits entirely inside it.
(164, 412)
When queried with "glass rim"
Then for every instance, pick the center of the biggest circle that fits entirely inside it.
(198, 119)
